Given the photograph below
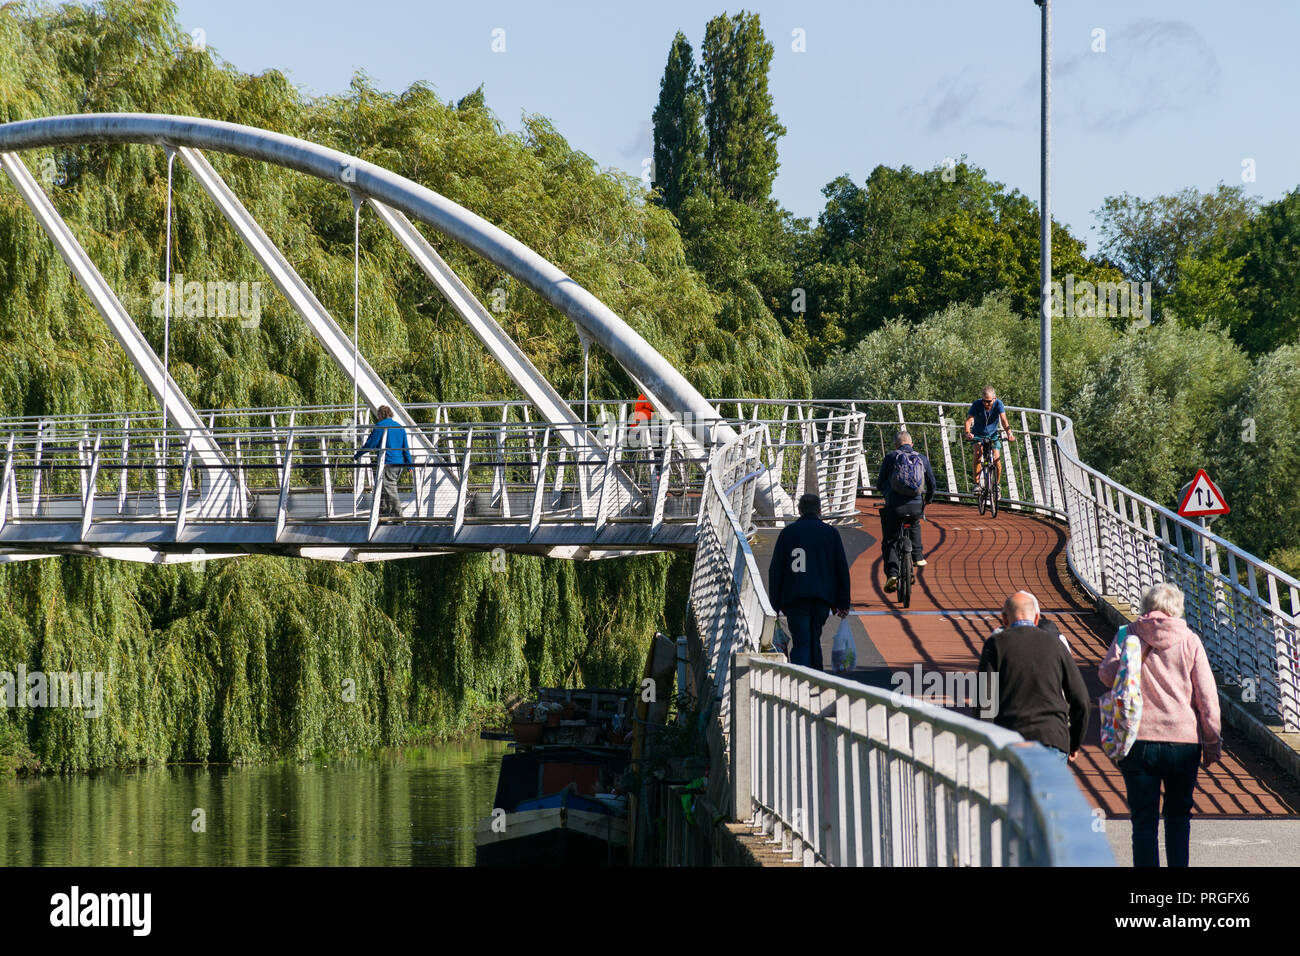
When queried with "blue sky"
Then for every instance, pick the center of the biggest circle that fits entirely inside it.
(1183, 94)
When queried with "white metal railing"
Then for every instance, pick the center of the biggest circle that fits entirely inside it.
(62, 479)
(729, 603)
(844, 774)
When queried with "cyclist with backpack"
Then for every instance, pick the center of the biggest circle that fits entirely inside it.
(907, 482)
(982, 421)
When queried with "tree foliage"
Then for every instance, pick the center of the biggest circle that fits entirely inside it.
(1267, 251)
(246, 660)
(679, 139)
(1153, 240)
(742, 125)
(907, 244)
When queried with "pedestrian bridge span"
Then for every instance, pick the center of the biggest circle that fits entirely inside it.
(837, 771)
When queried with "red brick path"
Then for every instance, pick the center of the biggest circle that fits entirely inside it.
(974, 563)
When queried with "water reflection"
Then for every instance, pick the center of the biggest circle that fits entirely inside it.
(416, 806)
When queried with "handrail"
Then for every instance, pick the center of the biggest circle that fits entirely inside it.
(845, 774)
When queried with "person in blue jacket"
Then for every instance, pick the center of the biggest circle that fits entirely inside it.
(808, 577)
(907, 482)
(397, 455)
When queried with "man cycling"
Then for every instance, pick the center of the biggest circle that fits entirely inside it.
(982, 422)
(907, 482)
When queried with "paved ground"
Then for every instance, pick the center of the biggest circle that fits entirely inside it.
(974, 563)
(1217, 841)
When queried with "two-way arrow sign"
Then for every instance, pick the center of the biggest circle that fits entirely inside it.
(1202, 498)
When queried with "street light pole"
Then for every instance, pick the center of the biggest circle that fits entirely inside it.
(1045, 225)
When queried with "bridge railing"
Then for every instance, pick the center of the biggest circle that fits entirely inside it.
(1246, 611)
(285, 471)
(727, 597)
(839, 773)
(813, 452)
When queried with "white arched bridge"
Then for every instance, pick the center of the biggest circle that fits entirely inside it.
(833, 771)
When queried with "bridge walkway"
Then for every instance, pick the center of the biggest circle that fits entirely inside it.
(974, 562)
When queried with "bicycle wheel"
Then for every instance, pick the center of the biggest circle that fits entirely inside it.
(982, 494)
(905, 577)
(993, 503)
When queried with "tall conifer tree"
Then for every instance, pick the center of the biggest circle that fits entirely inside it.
(679, 164)
(741, 124)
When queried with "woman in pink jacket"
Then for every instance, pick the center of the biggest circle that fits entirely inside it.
(1178, 730)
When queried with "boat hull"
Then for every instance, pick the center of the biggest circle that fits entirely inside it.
(552, 836)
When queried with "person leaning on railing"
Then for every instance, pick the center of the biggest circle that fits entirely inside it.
(1178, 728)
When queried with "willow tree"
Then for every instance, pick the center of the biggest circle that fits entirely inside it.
(259, 657)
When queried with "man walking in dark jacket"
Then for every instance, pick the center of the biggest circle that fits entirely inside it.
(907, 482)
(1041, 694)
(808, 576)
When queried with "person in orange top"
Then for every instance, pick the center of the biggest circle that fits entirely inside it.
(643, 412)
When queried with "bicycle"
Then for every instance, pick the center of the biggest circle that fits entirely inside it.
(903, 548)
(986, 492)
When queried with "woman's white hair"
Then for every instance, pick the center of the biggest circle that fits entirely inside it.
(1163, 597)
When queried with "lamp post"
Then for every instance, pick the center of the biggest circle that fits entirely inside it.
(1045, 216)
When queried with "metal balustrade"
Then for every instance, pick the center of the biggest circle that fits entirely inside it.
(843, 774)
(137, 485)
(729, 602)
(284, 480)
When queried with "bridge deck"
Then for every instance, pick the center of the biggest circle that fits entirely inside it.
(974, 563)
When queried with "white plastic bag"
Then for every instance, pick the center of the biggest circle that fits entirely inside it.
(781, 636)
(844, 653)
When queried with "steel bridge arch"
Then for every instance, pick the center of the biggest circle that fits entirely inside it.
(667, 388)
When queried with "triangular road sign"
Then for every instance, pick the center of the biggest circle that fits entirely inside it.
(1202, 498)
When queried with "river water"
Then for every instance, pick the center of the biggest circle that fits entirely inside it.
(413, 806)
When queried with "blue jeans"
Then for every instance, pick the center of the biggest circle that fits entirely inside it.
(1148, 766)
(807, 617)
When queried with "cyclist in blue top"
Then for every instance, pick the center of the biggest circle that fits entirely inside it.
(982, 421)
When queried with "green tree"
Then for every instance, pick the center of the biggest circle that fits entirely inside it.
(909, 243)
(935, 360)
(1210, 289)
(1147, 410)
(679, 141)
(742, 126)
(1147, 239)
(243, 661)
(1257, 458)
(1269, 250)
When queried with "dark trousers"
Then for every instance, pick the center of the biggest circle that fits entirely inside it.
(1148, 766)
(890, 521)
(807, 617)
